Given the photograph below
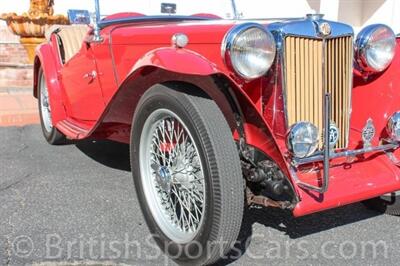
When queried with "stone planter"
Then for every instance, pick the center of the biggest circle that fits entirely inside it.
(27, 27)
(31, 26)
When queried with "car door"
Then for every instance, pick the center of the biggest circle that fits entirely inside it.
(80, 78)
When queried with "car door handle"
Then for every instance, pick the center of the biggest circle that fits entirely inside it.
(90, 76)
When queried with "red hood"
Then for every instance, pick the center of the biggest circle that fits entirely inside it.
(150, 32)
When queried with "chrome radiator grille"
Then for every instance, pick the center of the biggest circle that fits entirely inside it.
(312, 67)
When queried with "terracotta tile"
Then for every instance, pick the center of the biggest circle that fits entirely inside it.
(9, 102)
(18, 109)
(26, 101)
(19, 119)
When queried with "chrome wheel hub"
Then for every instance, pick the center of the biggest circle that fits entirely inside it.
(163, 177)
(172, 176)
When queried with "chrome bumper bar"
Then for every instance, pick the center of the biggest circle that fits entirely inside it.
(320, 157)
(327, 155)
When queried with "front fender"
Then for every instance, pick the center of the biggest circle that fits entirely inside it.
(177, 60)
(47, 60)
(182, 65)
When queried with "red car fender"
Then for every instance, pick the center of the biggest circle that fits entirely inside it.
(172, 64)
(181, 61)
(46, 59)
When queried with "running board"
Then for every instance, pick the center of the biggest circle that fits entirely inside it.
(72, 131)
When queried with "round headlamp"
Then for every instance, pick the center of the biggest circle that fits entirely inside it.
(303, 139)
(249, 50)
(375, 48)
(393, 127)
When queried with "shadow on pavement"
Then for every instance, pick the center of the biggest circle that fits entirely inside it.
(116, 155)
(295, 228)
(108, 153)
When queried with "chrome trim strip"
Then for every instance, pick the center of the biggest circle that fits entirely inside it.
(351, 81)
(110, 48)
(318, 38)
(327, 150)
(345, 154)
(105, 23)
(282, 52)
(275, 19)
(308, 28)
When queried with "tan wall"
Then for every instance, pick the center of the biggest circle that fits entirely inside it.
(15, 71)
(351, 12)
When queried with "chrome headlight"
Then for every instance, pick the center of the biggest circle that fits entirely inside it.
(249, 50)
(375, 48)
(303, 139)
(393, 127)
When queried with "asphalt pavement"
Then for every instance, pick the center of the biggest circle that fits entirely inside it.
(76, 205)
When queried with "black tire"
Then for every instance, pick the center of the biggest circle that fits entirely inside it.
(223, 176)
(53, 137)
(389, 204)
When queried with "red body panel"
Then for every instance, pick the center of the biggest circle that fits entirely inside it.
(371, 177)
(378, 98)
(48, 59)
(133, 57)
(81, 87)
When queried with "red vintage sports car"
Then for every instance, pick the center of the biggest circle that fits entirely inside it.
(297, 114)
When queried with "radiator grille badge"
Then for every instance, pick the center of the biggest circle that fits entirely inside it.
(325, 29)
(368, 133)
(333, 135)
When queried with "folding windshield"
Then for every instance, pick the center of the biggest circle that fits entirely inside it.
(225, 9)
(221, 8)
(245, 9)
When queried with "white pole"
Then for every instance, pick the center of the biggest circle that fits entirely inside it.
(330, 8)
(234, 9)
(395, 22)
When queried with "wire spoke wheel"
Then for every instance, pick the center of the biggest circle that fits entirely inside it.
(172, 176)
(45, 105)
(187, 173)
(46, 112)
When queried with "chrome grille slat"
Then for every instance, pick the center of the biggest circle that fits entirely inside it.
(305, 59)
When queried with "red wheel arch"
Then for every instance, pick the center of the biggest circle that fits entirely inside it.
(121, 108)
(50, 63)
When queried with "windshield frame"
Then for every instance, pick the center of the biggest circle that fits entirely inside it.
(161, 18)
(102, 23)
(230, 5)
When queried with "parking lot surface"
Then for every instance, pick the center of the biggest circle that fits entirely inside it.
(76, 205)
